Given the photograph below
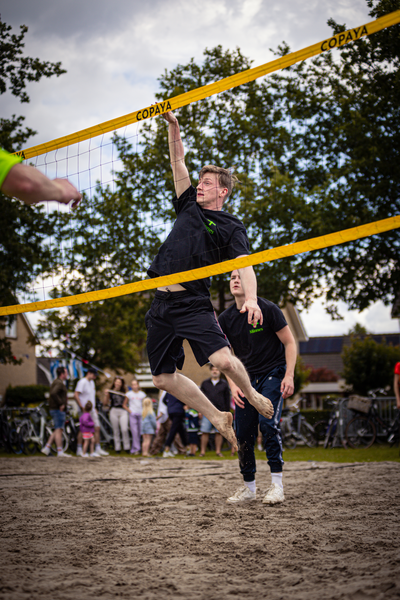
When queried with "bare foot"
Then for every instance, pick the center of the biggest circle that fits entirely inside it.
(262, 405)
(225, 428)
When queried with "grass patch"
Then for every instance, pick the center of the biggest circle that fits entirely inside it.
(377, 453)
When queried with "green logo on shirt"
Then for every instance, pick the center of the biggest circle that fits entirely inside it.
(256, 329)
(209, 228)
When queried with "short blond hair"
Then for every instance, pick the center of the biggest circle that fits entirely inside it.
(226, 178)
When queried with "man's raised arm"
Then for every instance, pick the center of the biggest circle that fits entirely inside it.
(177, 155)
(249, 285)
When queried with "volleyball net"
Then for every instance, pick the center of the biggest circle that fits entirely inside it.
(93, 159)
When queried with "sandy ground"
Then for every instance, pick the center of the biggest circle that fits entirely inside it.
(117, 527)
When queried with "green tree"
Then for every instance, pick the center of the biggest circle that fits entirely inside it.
(23, 251)
(109, 246)
(302, 375)
(368, 365)
(316, 150)
(343, 108)
(242, 128)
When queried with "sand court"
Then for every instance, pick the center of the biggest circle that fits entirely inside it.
(135, 528)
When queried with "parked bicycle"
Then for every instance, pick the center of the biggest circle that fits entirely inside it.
(327, 431)
(362, 430)
(71, 429)
(106, 430)
(9, 437)
(295, 428)
(35, 429)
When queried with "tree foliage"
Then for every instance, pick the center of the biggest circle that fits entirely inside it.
(106, 249)
(368, 365)
(302, 375)
(316, 148)
(345, 118)
(15, 69)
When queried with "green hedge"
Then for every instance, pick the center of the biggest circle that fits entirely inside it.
(313, 416)
(22, 395)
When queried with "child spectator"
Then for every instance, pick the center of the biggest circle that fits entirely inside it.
(87, 430)
(148, 426)
(192, 428)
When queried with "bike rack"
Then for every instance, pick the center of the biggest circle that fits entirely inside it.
(385, 410)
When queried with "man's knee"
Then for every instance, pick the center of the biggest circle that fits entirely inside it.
(223, 361)
(160, 381)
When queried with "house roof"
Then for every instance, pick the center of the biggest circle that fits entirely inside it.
(334, 344)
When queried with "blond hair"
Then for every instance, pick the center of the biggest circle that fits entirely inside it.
(226, 178)
(147, 407)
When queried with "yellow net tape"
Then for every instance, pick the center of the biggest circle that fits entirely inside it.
(324, 241)
(183, 100)
(215, 88)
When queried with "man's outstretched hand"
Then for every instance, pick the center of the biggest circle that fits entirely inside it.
(255, 314)
(68, 192)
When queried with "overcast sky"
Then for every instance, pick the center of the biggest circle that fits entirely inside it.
(115, 51)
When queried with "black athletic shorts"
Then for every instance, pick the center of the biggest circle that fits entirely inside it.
(174, 317)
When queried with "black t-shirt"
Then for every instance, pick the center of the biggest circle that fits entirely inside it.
(199, 237)
(259, 348)
(116, 400)
(218, 394)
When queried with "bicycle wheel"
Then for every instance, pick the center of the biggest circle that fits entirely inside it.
(360, 432)
(15, 441)
(288, 439)
(320, 430)
(308, 434)
(72, 435)
(27, 435)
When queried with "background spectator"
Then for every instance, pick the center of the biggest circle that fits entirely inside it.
(192, 428)
(133, 404)
(57, 405)
(164, 425)
(148, 426)
(87, 429)
(396, 384)
(218, 392)
(85, 391)
(176, 413)
(115, 398)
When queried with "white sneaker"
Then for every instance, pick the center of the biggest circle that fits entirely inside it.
(95, 455)
(244, 494)
(86, 455)
(45, 450)
(274, 495)
(79, 452)
(63, 455)
(102, 452)
(168, 454)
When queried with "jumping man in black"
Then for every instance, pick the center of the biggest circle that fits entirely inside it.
(202, 235)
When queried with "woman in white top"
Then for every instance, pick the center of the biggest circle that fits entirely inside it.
(133, 404)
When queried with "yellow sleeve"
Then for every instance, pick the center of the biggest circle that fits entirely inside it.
(7, 161)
